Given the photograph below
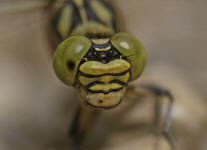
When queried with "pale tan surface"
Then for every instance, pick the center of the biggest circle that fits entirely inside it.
(36, 109)
(171, 30)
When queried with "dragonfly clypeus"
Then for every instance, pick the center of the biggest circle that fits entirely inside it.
(99, 59)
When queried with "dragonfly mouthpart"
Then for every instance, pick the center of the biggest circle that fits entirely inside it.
(103, 85)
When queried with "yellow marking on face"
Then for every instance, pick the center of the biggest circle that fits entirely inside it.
(101, 100)
(103, 49)
(116, 66)
(105, 79)
(100, 41)
(105, 87)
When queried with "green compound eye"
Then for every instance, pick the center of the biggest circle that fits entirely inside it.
(68, 57)
(128, 45)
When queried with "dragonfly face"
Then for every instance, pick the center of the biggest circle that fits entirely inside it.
(100, 68)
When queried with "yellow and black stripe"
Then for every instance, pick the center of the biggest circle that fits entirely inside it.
(83, 17)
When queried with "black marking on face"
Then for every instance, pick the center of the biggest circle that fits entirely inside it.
(93, 83)
(100, 101)
(99, 82)
(92, 76)
(119, 82)
(103, 107)
(102, 56)
(101, 91)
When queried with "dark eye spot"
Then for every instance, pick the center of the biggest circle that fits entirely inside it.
(100, 101)
(70, 65)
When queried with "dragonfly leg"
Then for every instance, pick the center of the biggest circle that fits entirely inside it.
(159, 93)
(81, 125)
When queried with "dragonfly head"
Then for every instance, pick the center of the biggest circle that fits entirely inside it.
(100, 68)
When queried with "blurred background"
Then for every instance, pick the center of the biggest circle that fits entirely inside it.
(36, 108)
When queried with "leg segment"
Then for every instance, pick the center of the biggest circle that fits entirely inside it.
(159, 92)
(81, 125)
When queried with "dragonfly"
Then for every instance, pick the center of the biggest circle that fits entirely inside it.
(95, 56)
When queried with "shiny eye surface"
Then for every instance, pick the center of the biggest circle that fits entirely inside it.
(129, 46)
(68, 56)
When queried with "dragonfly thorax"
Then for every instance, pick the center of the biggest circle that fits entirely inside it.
(83, 17)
